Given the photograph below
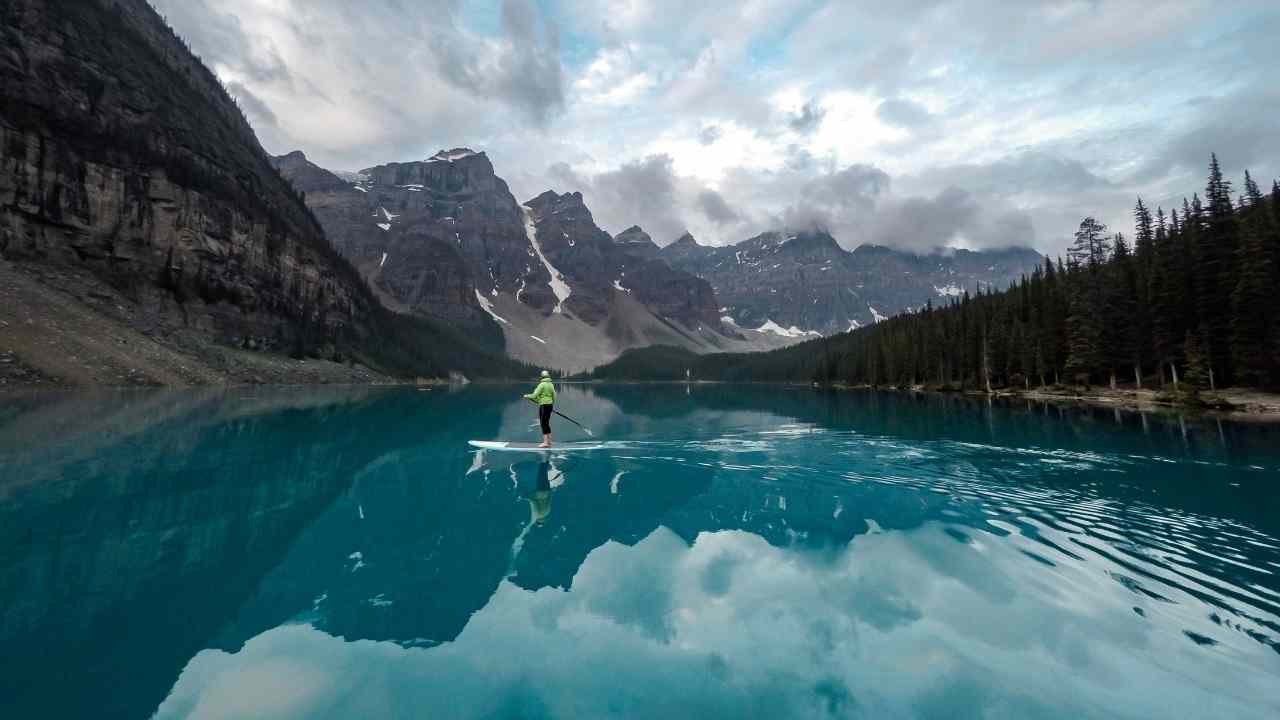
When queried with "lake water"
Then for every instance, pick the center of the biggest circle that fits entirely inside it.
(733, 552)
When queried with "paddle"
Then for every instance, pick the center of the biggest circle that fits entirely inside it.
(585, 429)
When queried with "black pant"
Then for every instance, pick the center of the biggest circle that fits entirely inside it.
(544, 417)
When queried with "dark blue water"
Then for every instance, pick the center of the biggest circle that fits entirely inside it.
(732, 552)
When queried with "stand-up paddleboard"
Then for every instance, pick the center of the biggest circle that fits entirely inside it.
(532, 447)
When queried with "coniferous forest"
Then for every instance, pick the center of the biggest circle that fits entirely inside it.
(1187, 302)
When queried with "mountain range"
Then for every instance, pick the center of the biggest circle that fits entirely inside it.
(147, 238)
(805, 282)
(444, 237)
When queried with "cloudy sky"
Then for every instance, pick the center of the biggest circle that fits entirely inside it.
(941, 123)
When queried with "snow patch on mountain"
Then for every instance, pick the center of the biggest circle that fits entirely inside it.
(488, 307)
(770, 326)
(875, 314)
(384, 226)
(617, 285)
(949, 290)
(558, 285)
(451, 155)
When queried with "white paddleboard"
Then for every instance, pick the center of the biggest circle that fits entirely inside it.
(531, 447)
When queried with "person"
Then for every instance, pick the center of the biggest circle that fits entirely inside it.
(540, 502)
(544, 395)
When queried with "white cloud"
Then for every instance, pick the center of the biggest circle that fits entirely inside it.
(896, 624)
(754, 100)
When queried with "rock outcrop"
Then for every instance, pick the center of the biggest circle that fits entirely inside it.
(125, 164)
(123, 156)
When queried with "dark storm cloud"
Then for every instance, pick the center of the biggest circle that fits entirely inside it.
(709, 134)
(642, 192)
(259, 114)
(853, 188)
(713, 205)
(808, 119)
(219, 38)
(903, 113)
(853, 203)
(831, 201)
(405, 50)
(923, 224)
(1026, 172)
(1242, 128)
(526, 73)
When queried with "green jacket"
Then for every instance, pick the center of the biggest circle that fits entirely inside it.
(544, 394)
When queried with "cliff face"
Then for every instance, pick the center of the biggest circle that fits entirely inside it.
(444, 238)
(124, 161)
(428, 235)
(598, 266)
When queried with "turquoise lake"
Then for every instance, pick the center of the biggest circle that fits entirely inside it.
(730, 552)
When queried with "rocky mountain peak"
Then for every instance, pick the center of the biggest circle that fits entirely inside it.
(632, 235)
(813, 241)
(455, 155)
(305, 175)
(568, 207)
(637, 243)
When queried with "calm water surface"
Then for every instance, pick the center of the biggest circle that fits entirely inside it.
(732, 552)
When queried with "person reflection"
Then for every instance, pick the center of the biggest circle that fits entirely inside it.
(540, 501)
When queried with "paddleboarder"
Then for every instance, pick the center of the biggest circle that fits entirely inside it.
(544, 395)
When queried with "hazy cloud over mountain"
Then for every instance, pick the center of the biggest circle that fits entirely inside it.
(978, 123)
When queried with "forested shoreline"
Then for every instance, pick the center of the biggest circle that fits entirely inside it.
(1187, 304)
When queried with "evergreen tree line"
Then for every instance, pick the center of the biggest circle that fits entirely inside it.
(1189, 303)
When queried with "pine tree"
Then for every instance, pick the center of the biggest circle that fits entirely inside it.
(1197, 373)
(1275, 203)
(1252, 196)
(1090, 247)
(1084, 324)
(1216, 246)
(1122, 329)
(1144, 236)
(1165, 331)
(1253, 304)
(1273, 231)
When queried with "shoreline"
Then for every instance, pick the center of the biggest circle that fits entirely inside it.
(1239, 404)
(1243, 404)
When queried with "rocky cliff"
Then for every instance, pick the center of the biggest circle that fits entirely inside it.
(124, 164)
(444, 238)
(804, 283)
(598, 266)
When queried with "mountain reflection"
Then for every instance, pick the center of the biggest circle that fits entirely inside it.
(736, 551)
